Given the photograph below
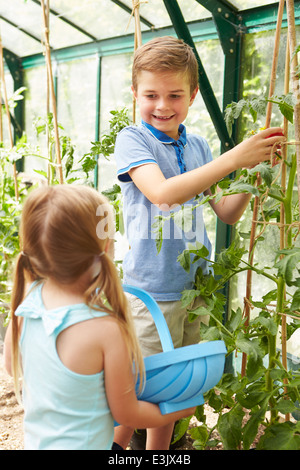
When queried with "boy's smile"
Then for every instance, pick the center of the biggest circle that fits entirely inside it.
(164, 99)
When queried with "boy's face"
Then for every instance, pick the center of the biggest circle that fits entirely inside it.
(164, 99)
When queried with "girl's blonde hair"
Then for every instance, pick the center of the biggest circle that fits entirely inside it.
(165, 54)
(62, 229)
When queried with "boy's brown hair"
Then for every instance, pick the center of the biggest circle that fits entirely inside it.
(165, 54)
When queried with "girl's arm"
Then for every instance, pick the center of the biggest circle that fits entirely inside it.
(166, 193)
(120, 388)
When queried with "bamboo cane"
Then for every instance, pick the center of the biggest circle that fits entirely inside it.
(258, 182)
(8, 118)
(52, 93)
(295, 82)
(137, 42)
(48, 105)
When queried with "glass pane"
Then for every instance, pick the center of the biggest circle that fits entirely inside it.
(76, 106)
(244, 4)
(35, 107)
(64, 35)
(76, 98)
(9, 84)
(102, 19)
(115, 94)
(155, 11)
(18, 42)
(28, 16)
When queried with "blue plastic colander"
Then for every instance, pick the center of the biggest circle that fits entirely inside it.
(177, 378)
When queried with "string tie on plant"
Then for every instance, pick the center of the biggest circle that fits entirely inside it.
(136, 6)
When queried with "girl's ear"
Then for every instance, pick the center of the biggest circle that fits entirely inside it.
(134, 92)
(193, 95)
(110, 248)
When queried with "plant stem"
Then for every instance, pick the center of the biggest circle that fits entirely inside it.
(272, 345)
(288, 199)
(269, 380)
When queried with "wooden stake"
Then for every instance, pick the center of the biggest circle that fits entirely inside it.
(282, 212)
(137, 42)
(138, 33)
(283, 243)
(295, 81)
(52, 93)
(8, 118)
(49, 172)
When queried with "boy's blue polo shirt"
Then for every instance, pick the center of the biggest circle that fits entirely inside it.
(160, 274)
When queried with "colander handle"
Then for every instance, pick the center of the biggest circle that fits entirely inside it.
(159, 319)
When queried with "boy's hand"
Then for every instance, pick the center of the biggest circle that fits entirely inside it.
(277, 150)
(259, 147)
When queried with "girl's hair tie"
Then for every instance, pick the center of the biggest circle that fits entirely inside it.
(101, 254)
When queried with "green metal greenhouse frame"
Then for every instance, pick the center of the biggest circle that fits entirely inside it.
(228, 24)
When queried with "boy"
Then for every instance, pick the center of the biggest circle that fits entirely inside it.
(161, 167)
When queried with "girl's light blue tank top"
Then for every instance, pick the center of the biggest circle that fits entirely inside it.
(63, 410)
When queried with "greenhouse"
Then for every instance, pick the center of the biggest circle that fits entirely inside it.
(68, 98)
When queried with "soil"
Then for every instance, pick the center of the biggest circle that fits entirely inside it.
(11, 413)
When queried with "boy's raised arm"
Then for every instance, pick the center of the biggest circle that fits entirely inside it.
(181, 188)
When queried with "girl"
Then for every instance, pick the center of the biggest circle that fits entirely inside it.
(70, 317)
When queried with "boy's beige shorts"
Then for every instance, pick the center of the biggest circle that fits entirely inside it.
(182, 331)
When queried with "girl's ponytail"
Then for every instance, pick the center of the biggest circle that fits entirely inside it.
(18, 293)
(107, 294)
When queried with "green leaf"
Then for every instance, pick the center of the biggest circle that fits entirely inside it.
(250, 399)
(251, 428)
(285, 406)
(188, 296)
(235, 320)
(112, 193)
(281, 436)
(296, 300)
(200, 435)
(285, 105)
(287, 111)
(268, 323)
(259, 105)
(185, 260)
(184, 218)
(41, 172)
(266, 172)
(288, 263)
(209, 333)
(247, 346)
(181, 428)
(229, 426)
(255, 368)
